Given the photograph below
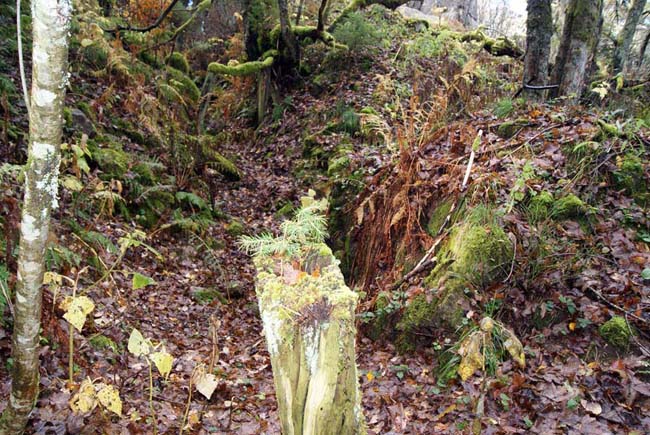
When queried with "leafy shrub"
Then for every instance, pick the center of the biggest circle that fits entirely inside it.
(357, 33)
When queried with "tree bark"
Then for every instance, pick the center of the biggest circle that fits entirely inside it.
(310, 332)
(539, 29)
(582, 26)
(644, 46)
(50, 26)
(622, 49)
(292, 49)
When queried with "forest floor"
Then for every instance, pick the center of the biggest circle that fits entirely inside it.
(203, 298)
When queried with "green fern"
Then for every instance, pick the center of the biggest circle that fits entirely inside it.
(304, 232)
(192, 200)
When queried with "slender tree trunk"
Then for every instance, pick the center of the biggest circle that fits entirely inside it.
(644, 46)
(539, 29)
(50, 24)
(299, 12)
(310, 332)
(579, 39)
(292, 49)
(622, 50)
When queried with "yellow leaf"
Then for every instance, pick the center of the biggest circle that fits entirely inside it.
(77, 309)
(370, 376)
(52, 278)
(138, 345)
(84, 401)
(572, 326)
(72, 183)
(163, 361)
(515, 348)
(109, 397)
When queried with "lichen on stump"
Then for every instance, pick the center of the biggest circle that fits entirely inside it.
(308, 316)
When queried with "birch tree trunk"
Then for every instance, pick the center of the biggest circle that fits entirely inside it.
(309, 326)
(539, 29)
(50, 24)
(582, 26)
(622, 50)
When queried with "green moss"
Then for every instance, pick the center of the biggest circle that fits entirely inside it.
(67, 117)
(338, 166)
(178, 61)
(95, 56)
(243, 69)
(150, 59)
(569, 207)
(102, 342)
(184, 85)
(540, 206)
(111, 158)
(630, 176)
(286, 210)
(616, 332)
(235, 228)
(438, 217)
(476, 254)
(205, 296)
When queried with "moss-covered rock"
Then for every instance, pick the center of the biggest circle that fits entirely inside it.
(438, 217)
(184, 85)
(616, 332)
(110, 157)
(178, 61)
(102, 342)
(509, 128)
(569, 207)
(476, 254)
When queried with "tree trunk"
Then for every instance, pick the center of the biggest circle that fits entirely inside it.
(50, 24)
(622, 50)
(642, 50)
(539, 29)
(291, 51)
(309, 325)
(577, 47)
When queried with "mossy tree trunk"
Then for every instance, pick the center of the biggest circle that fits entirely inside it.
(624, 42)
(309, 326)
(50, 26)
(644, 47)
(291, 53)
(539, 29)
(580, 36)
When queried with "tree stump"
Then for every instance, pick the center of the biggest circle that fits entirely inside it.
(308, 316)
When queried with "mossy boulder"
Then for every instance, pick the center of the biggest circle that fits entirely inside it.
(509, 128)
(102, 342)
(477, 253)
(569, 207)
(178, 61)
(616, 332)
(110, 157)
(438, 217)
(184, 85)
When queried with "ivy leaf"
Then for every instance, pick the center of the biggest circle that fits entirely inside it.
(138, 345)
(163, 361)
(76, 310)
(141, 281)
(109, 397)
(646, 273)
(84, 401)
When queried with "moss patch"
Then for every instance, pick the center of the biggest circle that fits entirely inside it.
(102, 342)
(540, 206)
(569, 207)
(510, 128)
(235, 228)
(178, 61)
(205, 296)
(630, 176)
(616, 332)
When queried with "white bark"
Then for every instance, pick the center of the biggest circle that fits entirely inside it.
(50, 24)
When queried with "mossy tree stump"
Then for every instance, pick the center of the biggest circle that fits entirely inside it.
(308, 316)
